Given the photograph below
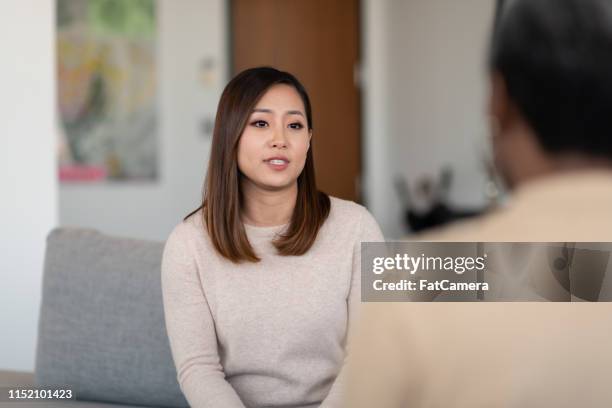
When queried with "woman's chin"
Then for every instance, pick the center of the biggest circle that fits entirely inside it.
(277, 185)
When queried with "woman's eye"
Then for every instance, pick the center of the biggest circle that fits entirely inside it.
(296, 126)
(260, 123)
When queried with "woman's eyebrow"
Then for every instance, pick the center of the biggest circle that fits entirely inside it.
(295, 112)
(290, 112)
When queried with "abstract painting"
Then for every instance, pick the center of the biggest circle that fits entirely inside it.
(106, 70)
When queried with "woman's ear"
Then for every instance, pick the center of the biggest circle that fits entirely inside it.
(309, 136)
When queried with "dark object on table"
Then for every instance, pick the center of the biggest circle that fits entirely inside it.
(439, 211)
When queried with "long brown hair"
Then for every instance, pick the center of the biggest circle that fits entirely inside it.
(222, 197)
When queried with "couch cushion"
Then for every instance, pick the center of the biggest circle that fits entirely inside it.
(101, 327)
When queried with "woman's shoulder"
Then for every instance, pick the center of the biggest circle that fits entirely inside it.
(189, 231)
(346, 208)
(347, 213)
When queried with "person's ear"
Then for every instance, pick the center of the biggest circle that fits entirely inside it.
(309, 136)
(501, 108)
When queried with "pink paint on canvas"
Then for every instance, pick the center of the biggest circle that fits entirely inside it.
(82, 173)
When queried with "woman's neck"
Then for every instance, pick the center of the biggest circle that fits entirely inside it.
(265, 208)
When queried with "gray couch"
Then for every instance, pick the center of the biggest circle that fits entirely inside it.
(101, 328)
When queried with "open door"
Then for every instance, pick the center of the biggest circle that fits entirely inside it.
(318, 42)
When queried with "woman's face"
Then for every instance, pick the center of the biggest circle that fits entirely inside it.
(273, 146)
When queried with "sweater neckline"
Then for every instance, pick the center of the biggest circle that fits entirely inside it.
(270, 231)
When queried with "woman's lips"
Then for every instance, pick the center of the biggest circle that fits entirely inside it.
(277, 164)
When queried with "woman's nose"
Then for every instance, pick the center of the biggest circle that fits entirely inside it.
(278, 139)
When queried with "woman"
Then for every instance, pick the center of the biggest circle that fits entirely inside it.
(261, 281)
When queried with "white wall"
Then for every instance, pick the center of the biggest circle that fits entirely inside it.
(377, 142)
(425, 105)
(28, 187)
(190, 31)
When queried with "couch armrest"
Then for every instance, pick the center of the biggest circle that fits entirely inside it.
(16, 378)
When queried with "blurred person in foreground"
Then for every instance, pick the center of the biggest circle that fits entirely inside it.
(551, 109)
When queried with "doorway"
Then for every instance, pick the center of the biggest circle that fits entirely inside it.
(318, 42)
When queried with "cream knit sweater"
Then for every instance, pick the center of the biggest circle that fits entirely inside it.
(267, 334)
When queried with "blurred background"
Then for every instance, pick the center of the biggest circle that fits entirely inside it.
(108, 108)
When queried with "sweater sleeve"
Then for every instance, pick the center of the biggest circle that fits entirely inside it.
(369, 231)
(191, 329)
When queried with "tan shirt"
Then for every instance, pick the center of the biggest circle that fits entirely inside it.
(497, 354)
(270, 333)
